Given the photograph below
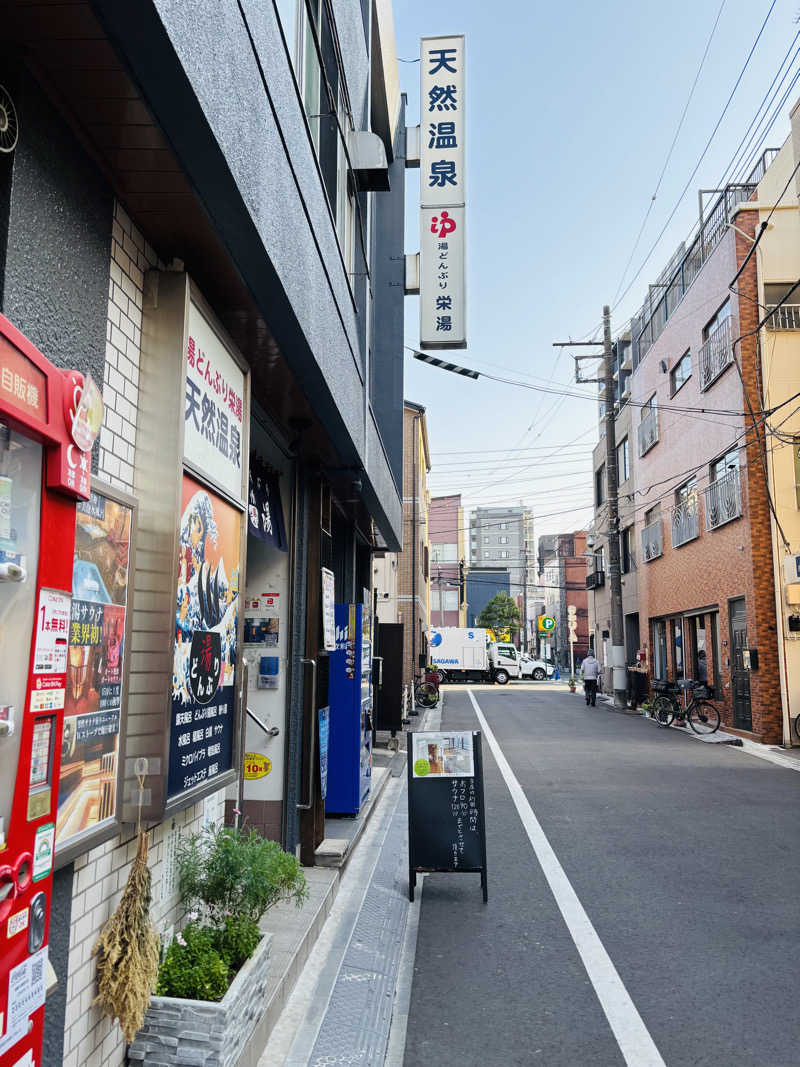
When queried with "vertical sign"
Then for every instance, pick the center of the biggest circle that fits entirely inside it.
(443, 319)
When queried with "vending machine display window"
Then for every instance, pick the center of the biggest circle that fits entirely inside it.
(20, 504)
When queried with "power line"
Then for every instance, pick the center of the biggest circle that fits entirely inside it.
(679, 201)
(671, 148)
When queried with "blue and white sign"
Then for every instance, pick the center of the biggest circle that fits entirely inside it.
(324, 716)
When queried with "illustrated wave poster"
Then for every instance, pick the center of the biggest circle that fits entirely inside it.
(206, 623)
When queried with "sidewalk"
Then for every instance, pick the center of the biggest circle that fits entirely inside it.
(351, 1000)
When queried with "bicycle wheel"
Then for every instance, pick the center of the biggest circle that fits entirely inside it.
(797, 726)
(427, 695)
(703, 717)
(663, 710)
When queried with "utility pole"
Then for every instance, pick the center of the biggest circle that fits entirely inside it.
(612, 483)
(614, 570)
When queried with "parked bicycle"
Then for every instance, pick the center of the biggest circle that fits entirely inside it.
(702, 715)
(426, 693)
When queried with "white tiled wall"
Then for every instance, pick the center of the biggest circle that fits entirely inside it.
(90, 1039)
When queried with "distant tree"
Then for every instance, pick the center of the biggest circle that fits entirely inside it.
(501, 613)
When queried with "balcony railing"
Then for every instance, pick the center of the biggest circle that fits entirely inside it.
(648, 432)
(786, 317)
(723, 500)
(685, 521)
(716, 354)
(652, 541)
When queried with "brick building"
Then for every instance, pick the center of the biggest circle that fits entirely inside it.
(705, 579)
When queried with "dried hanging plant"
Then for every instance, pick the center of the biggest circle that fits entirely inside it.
(127, 951)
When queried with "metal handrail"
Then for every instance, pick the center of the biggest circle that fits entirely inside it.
(647, 432)
(273, 731)
(785, 317)
(313, 746)
(716, 353)
(723, 499)
(685, 521)
(652, 541)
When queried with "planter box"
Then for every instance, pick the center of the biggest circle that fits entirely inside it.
(200, 1033)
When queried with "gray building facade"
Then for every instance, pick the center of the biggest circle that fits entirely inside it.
(250, 159)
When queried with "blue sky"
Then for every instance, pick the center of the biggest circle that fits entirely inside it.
(571, 112)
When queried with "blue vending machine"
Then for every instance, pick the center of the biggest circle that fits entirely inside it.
(350, 698)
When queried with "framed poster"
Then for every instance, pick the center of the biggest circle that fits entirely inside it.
(96, 658)
(202, 725)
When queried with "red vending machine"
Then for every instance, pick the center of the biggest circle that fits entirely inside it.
(49, 419)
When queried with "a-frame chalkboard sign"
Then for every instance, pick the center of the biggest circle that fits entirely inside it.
(446, 824)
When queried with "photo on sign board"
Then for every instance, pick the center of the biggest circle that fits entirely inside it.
(87, 785)
(206, 621)
(443, 755)
(102, 547)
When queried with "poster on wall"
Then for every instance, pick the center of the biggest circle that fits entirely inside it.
(87, 789)
(328, 611)
(206, 621)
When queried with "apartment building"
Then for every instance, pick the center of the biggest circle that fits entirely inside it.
(597, 583)
(448, 562)
(705, 578)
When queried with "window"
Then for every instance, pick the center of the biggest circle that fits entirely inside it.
(650, 407)
(623, 461)
(328, 115)
(680, 373)
(600, 559)
(502, 540)
(444, 600)
(503, 525)
(502, 555)
(487, 540)
(287, 12)
(599, 485)
(444, 553)
(626, 543)
(723, 314)
(724, 465)
(652, 515)
(687, 492)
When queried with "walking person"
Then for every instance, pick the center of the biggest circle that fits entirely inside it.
(590, 668)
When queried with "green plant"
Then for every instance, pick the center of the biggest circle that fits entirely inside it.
(193, 966)
(237, 940)
(573, 682)
(228, 871)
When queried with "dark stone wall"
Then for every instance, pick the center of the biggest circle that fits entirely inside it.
(58, 250)
(388, 284)
(58, 946)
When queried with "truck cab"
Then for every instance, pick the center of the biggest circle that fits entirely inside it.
(505, 660)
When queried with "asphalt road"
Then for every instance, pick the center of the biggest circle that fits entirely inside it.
(686, 859)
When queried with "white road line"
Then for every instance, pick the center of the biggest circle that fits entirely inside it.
(633, 1038)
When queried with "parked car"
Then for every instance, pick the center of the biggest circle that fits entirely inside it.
(535, 668)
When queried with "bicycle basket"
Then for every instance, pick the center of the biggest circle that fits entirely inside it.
(662, 685)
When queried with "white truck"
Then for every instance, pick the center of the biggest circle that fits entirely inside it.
(463, 654)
